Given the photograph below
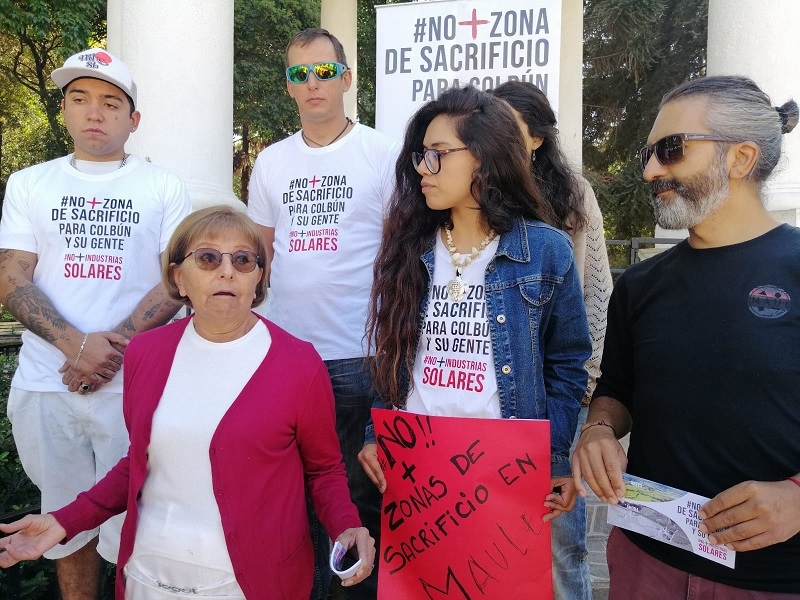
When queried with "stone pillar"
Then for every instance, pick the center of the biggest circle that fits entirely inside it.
(759, 40)
(570, 91)
(340, 17)
(181, 56)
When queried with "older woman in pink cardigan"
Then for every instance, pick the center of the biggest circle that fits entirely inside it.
(230, 419)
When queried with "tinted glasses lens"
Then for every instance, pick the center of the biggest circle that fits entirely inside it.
(644, 156)
(297, 73)
(669, 150)
(416, 159)
(244, 261)
(209, 259)
(327, 70)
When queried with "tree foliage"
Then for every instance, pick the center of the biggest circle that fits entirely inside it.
(36, 37)
(263, 112)
(634, 52)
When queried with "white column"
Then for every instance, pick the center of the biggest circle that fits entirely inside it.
(181, 55)
(340, 17)
(760, 40)
(570, 91)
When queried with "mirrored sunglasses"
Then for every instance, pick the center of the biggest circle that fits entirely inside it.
(209, 259)
(324, 71)
(432, 158)
(670, 149)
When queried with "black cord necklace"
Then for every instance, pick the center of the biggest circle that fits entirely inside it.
(309, 141)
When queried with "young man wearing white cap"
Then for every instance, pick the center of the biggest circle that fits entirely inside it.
(80, 244)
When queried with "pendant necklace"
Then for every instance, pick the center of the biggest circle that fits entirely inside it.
(456, 288)
(74, 163)
(309, 141)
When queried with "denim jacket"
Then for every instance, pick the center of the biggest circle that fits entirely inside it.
(540, 336)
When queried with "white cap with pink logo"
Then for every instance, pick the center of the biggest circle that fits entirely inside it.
(99, 64)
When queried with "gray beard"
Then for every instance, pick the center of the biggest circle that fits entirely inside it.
(693, 199)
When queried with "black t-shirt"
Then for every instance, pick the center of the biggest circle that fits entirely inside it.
(703, 348)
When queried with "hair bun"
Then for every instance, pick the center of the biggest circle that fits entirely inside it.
(788, 113)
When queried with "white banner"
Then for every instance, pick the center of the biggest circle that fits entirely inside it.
(424, 48)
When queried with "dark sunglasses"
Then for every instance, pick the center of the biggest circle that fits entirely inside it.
(432, 158)
(209, 259)
(670, 149)
(324, 71)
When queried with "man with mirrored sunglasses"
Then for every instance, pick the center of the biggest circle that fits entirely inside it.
(701, 356)
(319, 198)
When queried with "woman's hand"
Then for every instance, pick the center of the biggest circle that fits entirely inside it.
(562, 499)
(368, 457)
(365, 545)
(33, 535)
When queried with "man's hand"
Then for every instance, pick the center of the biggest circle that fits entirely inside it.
(562, 499)
(33, 535)
(368, 457)
(360, 538)
(752, 515)
(600, 460)
(76, 382)
(100, 360)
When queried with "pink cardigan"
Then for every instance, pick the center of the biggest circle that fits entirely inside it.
(277, 438)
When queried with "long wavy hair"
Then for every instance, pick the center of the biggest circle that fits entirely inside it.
(501, 185)
(550, 169)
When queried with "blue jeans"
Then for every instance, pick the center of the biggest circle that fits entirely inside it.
(571, 577)
(353, 393)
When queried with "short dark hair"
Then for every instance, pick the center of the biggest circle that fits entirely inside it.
(305, 37)
(740, 111)
(212, 220)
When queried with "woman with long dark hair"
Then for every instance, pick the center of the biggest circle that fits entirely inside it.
(466, 224)
(577, 213)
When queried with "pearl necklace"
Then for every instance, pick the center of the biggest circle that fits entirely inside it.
(309, 141)
(74, 163)
(456, 288)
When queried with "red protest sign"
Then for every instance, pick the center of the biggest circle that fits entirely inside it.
(463, 507)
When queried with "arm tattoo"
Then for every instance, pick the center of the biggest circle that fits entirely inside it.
(35, 311)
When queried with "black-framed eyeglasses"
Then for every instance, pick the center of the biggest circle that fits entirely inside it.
(670, 149)
(209, 259)
(432, 158)
(323, 71)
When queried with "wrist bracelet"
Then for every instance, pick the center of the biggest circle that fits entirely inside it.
(603, 423)
(794, 480)
(78, 358)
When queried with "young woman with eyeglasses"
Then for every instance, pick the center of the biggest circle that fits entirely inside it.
(465, 235)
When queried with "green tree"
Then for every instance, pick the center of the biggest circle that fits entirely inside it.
(634, 52)
(36, 36)
(263, 112)
(23, 125)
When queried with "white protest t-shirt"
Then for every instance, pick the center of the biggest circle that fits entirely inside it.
(327, 207)
(97, 238)
(179, 518)
(454, 368)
